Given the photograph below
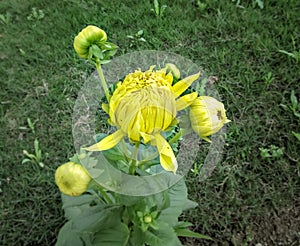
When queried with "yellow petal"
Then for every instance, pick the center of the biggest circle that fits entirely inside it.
(135, 126)
(147, 137)
(185, 101)
(207, 116)
(150, 112)
(108, 142)
(183, 84)
(105, 107)
(167, 158)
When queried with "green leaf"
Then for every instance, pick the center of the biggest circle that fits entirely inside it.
(297, 114)
(165, 236)
(294, 100)
(36, 146)
(140, 33)
(31, 125)
(67, 236)
(108, 46)
(178, 199)
(97, 218)
(137, 237)
(26, 160)
(109, 54)
(260, 4)
(287, 53)
(129, 200)
(187, 233)
(73, 206)
(117, 235)
(39, 155)
(201, 88)
(156, 7)
(75, 158)
(297, 135)
(182, 224)
(96, 51)
(31, 156)
(91, 164)
(104, 62)
(190, 204)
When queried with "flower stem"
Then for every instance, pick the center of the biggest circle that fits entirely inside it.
(102, 80)
(93, 185)
(125, 149)
(134, 160)
(176, 137)
(105, 196)
(149, 158)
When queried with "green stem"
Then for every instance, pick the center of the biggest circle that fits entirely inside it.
(176, 137)
(105, 196)
(125, 149)
(93, 185)
(102, 80)
(149, 158)
(133, 163)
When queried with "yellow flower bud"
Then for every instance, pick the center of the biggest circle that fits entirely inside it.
(91, 35)
(148, 219)
(72, 179)
(207, 116)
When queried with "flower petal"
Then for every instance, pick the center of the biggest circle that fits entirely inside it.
(107, 142)
(167, 158)
(185, 101)
(105, 107)
(183, 84)
(147, 137)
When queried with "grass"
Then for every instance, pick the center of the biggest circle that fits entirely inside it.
(248, 199)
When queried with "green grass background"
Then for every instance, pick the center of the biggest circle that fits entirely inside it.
(248, 199)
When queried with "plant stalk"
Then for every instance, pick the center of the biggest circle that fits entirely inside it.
(102, 80)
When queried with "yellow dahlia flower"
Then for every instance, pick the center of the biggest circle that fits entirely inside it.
(143, 106)
(72, 179)
(207, 116)
(91, 35)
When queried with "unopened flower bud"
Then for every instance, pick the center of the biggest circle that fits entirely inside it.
(72, 179)
(207, 116)
(148, 219)
(91, 35)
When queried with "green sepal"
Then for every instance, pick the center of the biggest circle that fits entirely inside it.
(95, 51)
(108, 46)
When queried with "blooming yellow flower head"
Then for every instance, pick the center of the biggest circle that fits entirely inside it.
(91, 35)
(143, 106)
(207, 116)
(72, 179)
